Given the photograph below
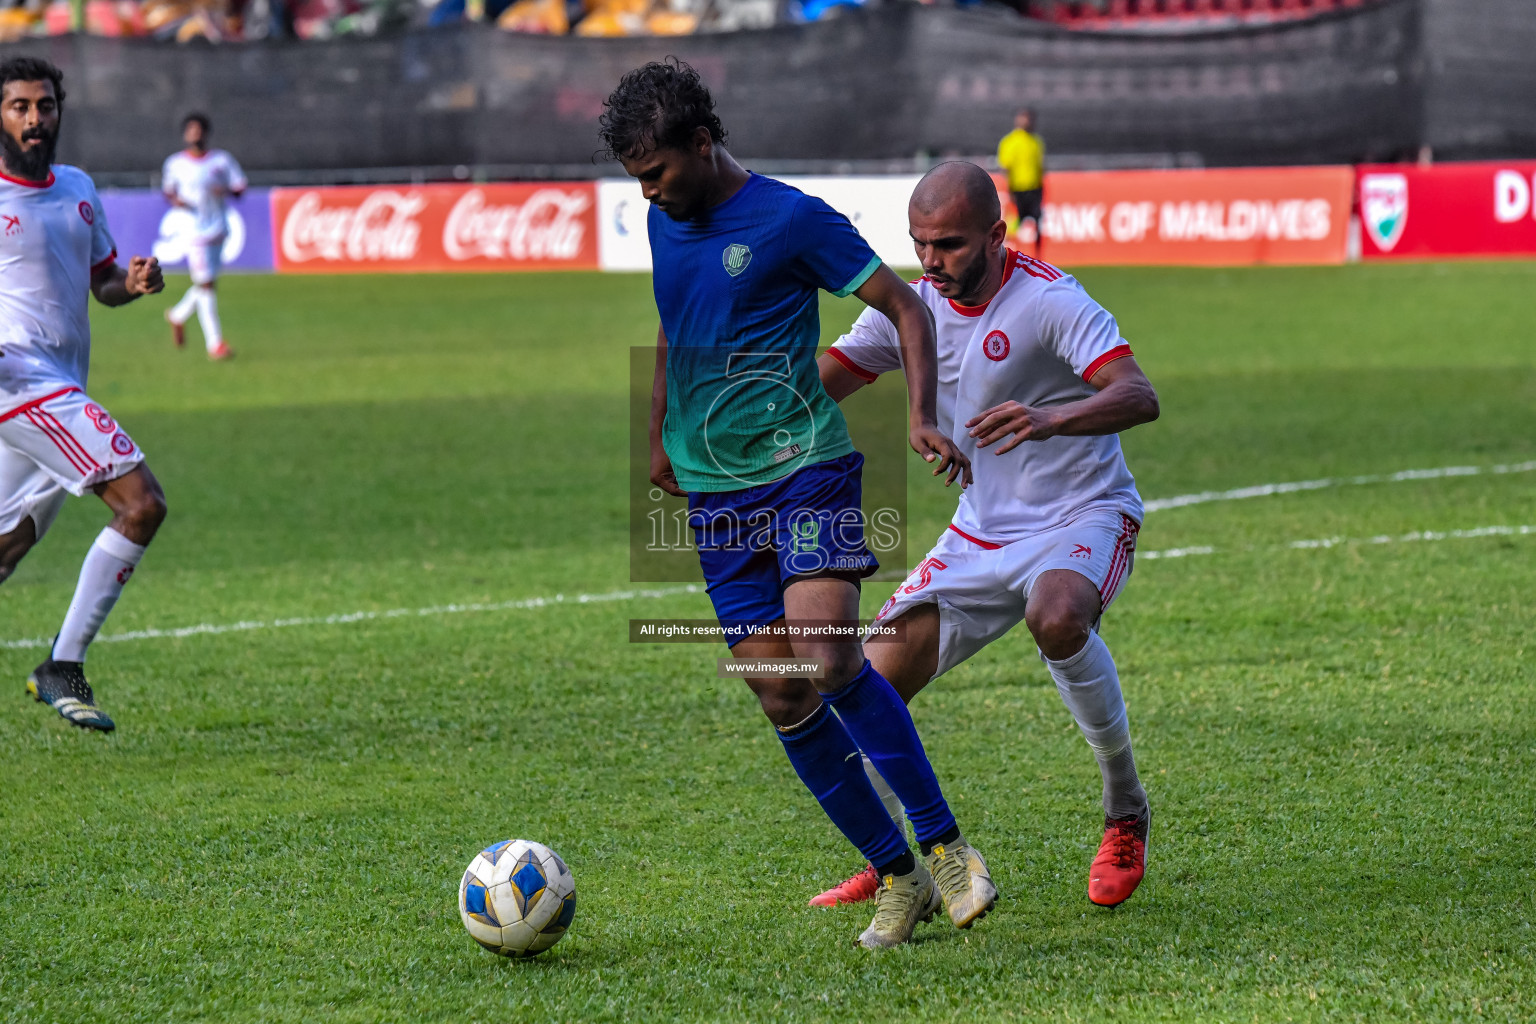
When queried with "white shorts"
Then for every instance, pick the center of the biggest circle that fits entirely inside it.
(54, 446)
(981, 588)
(204, 260)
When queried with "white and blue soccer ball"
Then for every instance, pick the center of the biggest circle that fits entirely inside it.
(517, 898)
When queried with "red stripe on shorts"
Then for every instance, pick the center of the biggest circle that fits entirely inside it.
(74, 460)
(35, 403)
(73, 450)
(975, 540)
(1120, 563)
(80, 449)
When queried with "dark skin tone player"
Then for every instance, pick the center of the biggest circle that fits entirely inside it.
(681, 182)
(774, 496)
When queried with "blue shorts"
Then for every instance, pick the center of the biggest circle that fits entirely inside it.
(755, 542)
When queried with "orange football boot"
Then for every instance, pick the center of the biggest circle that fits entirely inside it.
(858, 889)
(1121, 862)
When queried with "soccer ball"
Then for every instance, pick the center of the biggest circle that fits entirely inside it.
(517, 898)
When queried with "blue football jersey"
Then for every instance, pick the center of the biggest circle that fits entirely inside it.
(736, 289)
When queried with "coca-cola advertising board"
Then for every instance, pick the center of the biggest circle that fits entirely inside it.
(1470, 209)
(1228, 217)
(408, 229)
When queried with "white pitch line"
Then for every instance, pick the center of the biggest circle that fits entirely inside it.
(215, 629)
(1265, 490)
(1381, 538)
(1175, 553)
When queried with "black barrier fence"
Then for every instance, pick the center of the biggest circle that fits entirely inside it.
(900, 82)
(1480, 80)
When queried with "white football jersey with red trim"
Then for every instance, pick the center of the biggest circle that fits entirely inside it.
(53, 235)
(1037, 343)
(203, 183)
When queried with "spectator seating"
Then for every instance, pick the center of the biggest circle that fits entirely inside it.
(1153, 14)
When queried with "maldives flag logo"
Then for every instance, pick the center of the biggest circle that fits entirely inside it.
(1384, 208)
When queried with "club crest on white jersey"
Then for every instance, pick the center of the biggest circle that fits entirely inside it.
(53, 237)
(1037, 342)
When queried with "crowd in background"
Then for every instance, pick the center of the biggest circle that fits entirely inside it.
(227, 20)
(188, 21)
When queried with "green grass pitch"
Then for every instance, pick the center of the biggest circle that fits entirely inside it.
(1337, 739)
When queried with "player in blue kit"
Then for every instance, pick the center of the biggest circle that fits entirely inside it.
(741, 425)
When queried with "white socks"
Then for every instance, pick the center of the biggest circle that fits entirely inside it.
(107, 567)
(185, 307)
(202, 300)
(208, 317)
(1090, 687)
(888, 797)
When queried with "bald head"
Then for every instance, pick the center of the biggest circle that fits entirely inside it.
(957, 229)
(960, 194)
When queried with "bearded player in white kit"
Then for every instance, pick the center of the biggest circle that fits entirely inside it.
(1035, 382)
(54, 440)
(202, 180)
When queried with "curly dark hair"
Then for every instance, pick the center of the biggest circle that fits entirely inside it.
(33, 69)
(657, 105)
(201, 120)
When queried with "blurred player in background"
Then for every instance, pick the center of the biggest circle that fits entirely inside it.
(55, 250)
(741, 426)
(1021, 155)
(202, 180)
(1035, 382)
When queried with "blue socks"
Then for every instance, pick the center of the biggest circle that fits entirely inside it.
(825, 752)
(878, 721)
(827, 760)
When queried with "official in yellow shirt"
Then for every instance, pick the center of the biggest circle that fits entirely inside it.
(1021, 155)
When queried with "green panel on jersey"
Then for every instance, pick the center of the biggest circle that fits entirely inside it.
(739, 419)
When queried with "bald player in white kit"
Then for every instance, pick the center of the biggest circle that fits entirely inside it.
(202, 180)
(55, 251)
(1035, 382)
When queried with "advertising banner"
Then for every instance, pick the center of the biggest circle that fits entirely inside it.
(1472, 209)
(544, 226)
(621, 211)
(876, 204)
(144, 224)
(1196, 217)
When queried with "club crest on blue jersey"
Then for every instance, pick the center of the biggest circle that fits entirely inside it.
(735, 258)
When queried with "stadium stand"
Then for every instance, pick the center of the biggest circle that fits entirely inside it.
(1375, 82)
(187, 21)
(1178, 15)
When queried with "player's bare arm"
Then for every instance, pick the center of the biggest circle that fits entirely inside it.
(838, 381)
(117, 285)
(661, 466)
(892, 296)
(1125, 399)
